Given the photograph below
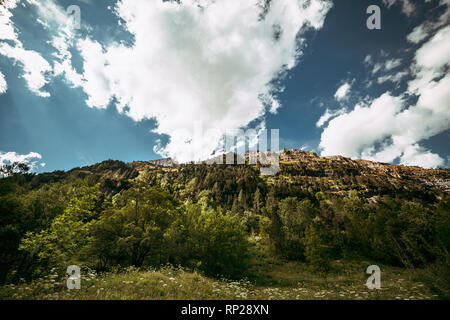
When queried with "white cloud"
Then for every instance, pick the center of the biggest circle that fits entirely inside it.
(198, 61)
(96, 84)
(417, 35)
(385, 66)
(31, 159)
(339, 137)
(385, 69)
(392, 64)
(34, 66)
(435, 53)
(395, 77)
(415, 155)
(7, 30)
(329, 114)
(388, 128)
(424, 30)
(63, 64)
(3, 84)
(36, 70)
(342, 92)
(408, 7)
(61, 27)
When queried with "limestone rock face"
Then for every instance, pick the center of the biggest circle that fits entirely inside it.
(306, 163)
(165, 163)
(340, 173)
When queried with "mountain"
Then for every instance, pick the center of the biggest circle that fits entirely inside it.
(335, 174)
(300, 172)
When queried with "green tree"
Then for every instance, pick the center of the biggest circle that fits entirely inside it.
(317, 249)
(295, 216)
(275, 230)
(7, 170)
(357, 223)
(12, 222)
(133, 229)
(242, 200)
(257, 202)
(62, 243)
(214, 242)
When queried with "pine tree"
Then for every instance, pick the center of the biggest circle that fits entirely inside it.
(241, 200)
(235, 207)
(257, 202)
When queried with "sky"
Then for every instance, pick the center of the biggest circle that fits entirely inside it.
(145, 79)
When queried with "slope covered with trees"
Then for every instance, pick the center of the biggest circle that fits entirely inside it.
(220, 219)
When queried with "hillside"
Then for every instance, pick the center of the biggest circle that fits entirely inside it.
(298, 168)
(229, 220)
(336, 174)
(343, 174)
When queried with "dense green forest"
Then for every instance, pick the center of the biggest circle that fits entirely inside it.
(219, 219)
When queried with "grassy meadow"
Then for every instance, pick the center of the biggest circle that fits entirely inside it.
(277, 280)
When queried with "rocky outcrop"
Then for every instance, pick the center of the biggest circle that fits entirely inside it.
(341, 172)
(165, 163)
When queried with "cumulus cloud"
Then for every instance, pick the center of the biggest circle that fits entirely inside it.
(34, 66)
(217, 63)
(31, 159)
(342, 92)
(3, 84)
(390, 128)
(416, 155)
(199, 61)
(7, 31)
(339, 137)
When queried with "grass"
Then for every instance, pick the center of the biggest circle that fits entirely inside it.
(275, 280)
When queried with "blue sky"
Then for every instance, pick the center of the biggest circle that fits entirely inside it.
(137, 73)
